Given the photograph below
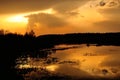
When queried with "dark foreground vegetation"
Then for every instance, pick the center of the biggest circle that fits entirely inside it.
(14, 45)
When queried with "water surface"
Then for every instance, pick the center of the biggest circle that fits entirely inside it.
(71, 62)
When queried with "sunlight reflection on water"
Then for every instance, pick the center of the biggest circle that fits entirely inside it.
(73, 60)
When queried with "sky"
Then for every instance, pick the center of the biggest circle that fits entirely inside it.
(65, 16)
(60, 16)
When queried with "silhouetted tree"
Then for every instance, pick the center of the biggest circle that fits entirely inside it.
(31, 33)
(1, 32)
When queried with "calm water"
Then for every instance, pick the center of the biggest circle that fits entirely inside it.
(71, 62)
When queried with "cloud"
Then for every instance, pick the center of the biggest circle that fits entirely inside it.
(109, 25)
(111, 22)
(21, 6)
(43, 23)
(68, 5)
(109, 12)
(47, 20)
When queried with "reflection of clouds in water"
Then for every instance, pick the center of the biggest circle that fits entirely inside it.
(106, 50)
(112, 63)
(90, 58)
(101, 61)
(67, 72)
(87, 51)
(85, 56)
(67, 69)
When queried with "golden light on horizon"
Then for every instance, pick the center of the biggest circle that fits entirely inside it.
(18, 18)
(22, 19)
(19, 22)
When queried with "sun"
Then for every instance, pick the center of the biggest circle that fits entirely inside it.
(18, 18)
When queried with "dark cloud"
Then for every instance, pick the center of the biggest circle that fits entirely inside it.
(107, 3)
(102, 3)
(113, 3)
(21, 6)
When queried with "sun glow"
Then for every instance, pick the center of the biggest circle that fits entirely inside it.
(22, 19)
(18, 18)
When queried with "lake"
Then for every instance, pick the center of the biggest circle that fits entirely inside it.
(71, 62)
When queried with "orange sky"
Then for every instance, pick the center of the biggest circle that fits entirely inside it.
(67, 16)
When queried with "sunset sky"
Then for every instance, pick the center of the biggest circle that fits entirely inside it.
(60, 16)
